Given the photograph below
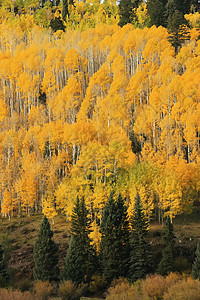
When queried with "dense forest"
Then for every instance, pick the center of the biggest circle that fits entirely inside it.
(97, 107)
(99, 127)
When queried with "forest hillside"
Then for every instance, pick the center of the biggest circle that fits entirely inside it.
(86, 112)
(100, 133)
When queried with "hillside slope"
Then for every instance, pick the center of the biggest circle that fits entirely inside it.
(18, 237)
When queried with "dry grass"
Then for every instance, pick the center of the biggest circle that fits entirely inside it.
(16, 295)
(18, 237)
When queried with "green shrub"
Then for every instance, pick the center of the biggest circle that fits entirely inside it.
(181, 264)
(3, 282)
(24, 285)
(97, 284)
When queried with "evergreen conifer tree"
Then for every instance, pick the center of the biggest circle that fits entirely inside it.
(140, 257)
(114, 245)
(65, 11)
(156, 10)
(196, 264)
(74, 264)
(166, 264)
(126, 11)
(45, 254)
(178, 32)
(80, 252)
(57, 24)
(3, 269)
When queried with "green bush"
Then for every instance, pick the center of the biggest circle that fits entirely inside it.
(97, 284)
(3, 282)
(181, 264)
(24, 285)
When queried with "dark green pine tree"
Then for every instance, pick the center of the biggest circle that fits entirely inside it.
(196, 264)
(135, 144)
(80, 252)
(3, 269)
(140, 257)
(178, 33)
(175, 11)
(156, 11)
(115, 247)
(57, 24)
(74, 264)
(126, 11)
(65, 11)
(123, 236)
(166, 264)
(181, 5)
(45, 254)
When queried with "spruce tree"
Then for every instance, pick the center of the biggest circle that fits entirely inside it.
(114, 245)
(45, 254)
(65, 11)
(156, 10)
(74, 264)
(3, 269)
(57, 24)
(123, 236)
(166, 264)
(80, 252)
(178, 33)
(126, 11)
(140, 257)
(196, 264)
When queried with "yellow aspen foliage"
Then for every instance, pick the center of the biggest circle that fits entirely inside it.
(95, 235)
(193, 19)
(3, 110)
(172, 197)
(26, 22)
(48, 206)
(71, 61)
(86, 111)
(99, 199)
(142, 15)
(67, 103)
(65, 195)
(7, 205)
(26, 189)
(140, 182)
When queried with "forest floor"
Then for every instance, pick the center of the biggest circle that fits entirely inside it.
(18, 236)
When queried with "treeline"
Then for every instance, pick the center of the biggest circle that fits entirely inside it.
(85, 113)
(62, 14)
(122, 258)
(120, 249)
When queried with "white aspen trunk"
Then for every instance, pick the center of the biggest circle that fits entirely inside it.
(73, 153)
